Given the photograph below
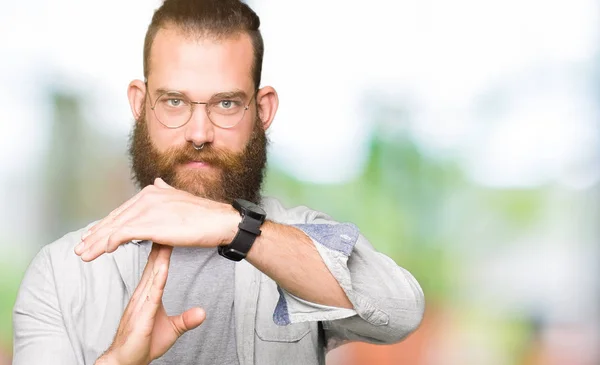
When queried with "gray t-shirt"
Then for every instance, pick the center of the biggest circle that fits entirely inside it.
(200, 277)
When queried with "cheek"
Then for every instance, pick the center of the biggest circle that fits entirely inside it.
(234, 139)
(163, 138)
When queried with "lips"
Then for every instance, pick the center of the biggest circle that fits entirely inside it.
(197, 164)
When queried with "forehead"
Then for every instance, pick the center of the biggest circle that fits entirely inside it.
(200, 66)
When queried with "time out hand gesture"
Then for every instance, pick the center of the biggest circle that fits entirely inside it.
(146, 332)
(165, 215)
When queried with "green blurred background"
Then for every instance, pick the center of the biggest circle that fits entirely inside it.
(461, 137)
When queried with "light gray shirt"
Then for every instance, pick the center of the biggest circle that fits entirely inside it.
(67, 311)
(200, 277)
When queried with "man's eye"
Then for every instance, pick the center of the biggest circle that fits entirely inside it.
(174, 102)
(226, 104)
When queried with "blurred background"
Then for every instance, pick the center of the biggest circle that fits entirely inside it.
(462, 137)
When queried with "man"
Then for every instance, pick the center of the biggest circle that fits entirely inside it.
(198, 267)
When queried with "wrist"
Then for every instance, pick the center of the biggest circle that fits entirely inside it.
(231, 218)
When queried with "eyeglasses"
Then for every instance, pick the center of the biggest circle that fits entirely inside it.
(174, 109)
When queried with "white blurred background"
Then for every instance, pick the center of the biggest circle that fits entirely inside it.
(463, 137)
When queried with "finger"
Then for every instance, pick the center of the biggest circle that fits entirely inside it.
(108, 224)
(144, 296)
(99, 233)
(133, 305)
(158, 182)
(97, 238)
(164, 254)
(147, 270)
(109, 238)
(116, 212)
(156, 268)
(98, 247)
(151, 261)
(127, 226)
(153, 290)
(188, 320)
(134, 229)
(153, 298)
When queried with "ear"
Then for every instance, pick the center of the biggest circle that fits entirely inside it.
(136, 93)
(268, 102)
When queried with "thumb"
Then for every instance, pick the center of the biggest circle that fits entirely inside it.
(188, 320)
(158, 182)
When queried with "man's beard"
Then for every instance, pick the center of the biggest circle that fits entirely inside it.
(228, 177)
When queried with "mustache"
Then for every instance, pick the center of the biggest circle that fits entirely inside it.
(209, 154)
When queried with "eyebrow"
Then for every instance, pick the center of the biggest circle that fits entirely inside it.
(236, 93)
(230, 95)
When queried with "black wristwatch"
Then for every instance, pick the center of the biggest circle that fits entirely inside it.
(253, 217)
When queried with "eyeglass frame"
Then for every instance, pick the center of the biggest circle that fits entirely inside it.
(193, 108)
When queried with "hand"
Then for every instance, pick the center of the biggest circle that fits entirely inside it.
(165, 215)
(146, 332)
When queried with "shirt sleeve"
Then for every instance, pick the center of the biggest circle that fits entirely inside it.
(388, 301)
(40, 336)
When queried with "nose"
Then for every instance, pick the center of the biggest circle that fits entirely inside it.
(199, 129)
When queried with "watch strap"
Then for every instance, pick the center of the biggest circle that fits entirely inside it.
(248, 230)
(250, 225)
(239, 247)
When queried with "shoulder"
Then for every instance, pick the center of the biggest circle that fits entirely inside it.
(61, 258)
(45, 277)
(57, 262)
(301, 214)
(63, 249)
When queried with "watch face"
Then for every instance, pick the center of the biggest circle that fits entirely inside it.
(250, 209)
